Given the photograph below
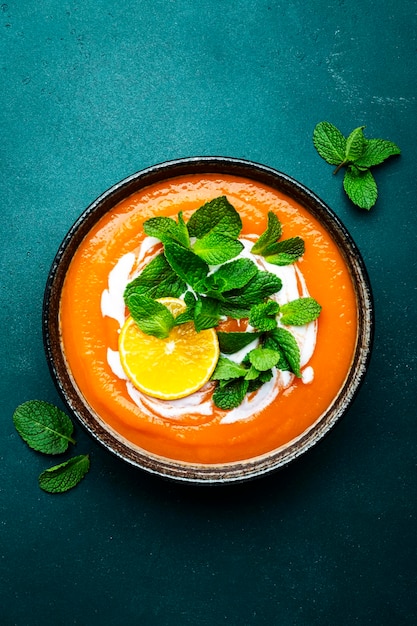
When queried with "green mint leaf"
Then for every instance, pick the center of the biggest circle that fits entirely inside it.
(252, 373)
(285, 252)
(43, 426)
(256, 383)
(235, 311)
(186, 264)
(355, 145)
(229, 343)
(166, 229)
(289, 346)
(152, 317)
(66, 475)
(360, 187)
(261, 286)
(226, 369)
(219, 216)
(263, 358)
(206, 314)
(263, 315)
(157, 280)
(229, 395)
(188, 314)
(215, 248)
(270, 236)
(272, 344)
(376, 151)
(329, 143)
(299, 312)
(233, 275)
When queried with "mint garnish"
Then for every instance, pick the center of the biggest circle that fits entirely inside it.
(226, 369)
(157, 280)
(283, 252)
(198, 260)
(272, 233)
(229, 343)
(263, 358)
(357, 154)
(263, 316)
(189, 267)
(152, 317)
(233, 275)
(216, 248)
(299, 312)
(229, 394)
(66, 475)
(166, 229)
(217, 216)
(47, 429)
(44, 427)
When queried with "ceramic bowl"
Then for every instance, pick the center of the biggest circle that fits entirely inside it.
(186, 472)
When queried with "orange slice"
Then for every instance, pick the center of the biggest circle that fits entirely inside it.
(169, 368)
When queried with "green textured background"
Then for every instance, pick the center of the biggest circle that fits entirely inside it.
(94, 91)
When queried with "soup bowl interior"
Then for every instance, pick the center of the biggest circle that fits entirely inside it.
(174, 469)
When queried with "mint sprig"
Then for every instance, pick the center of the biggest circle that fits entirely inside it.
(276, 252)
(357, 154)
(201, 267)
(47, 429)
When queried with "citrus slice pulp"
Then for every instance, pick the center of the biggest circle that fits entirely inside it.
(169, 368)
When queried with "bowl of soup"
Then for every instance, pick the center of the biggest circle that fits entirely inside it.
(208, 320)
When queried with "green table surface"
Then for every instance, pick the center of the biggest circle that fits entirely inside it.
(95, 91)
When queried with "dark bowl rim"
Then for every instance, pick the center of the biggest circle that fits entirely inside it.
(229, 472)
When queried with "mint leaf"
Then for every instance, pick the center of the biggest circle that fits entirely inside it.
(329, 143)
(289, 346)
(252, 374)
(43, 426)
(261, 286)
(358, 155)
(188, 314)
(66, 475)
(157, 280)
(263, 358)
(229, 343)
(227, 369)
(166, 229)
(299, 312)
(262, 378)
(186, 264)
(216, 248)
(355, 145)
(263, 315)
(271, 235)
(219, 216)
(376, 151)
(206, 314)
(152, 317)
(285, 252)
(233, 275)
(235, 311)
(361, 187)
(229, 395)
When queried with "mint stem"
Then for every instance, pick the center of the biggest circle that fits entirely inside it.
(339, 167)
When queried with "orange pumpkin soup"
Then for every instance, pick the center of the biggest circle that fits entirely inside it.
(90, 335)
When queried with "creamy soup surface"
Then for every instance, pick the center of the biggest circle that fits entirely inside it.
(192, 429)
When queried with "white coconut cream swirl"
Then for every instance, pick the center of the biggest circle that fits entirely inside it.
(200, 403)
